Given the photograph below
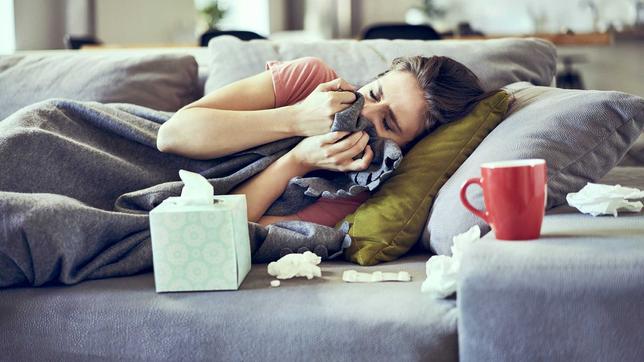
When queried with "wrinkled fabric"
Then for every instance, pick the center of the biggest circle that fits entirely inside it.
(387, 157)
(79, 179)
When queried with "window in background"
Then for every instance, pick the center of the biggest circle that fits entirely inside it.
(7, 28)
(536, 16)
(251, 15)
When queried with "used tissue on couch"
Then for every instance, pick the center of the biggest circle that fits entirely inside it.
(442, 270)
(599, 199)
(200, 241)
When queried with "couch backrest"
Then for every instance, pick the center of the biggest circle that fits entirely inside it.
(497, 62)
(201, 55)
(163, 80)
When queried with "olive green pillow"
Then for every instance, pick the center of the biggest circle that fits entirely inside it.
(390, 222)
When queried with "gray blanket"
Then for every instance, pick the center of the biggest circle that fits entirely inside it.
(78, 180)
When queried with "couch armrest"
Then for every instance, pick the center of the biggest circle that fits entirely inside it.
(577, 293)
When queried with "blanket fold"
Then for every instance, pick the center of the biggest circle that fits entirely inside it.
(79, 179)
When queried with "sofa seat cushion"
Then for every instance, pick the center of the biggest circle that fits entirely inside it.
(323, 319)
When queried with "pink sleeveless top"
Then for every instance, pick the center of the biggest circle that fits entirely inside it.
(292, 82)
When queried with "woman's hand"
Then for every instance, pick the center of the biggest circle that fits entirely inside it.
(314, 115)
(329, 152)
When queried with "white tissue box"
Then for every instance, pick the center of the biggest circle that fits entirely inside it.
(200, 246)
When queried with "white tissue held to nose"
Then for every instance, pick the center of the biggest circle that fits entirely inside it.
(442, 270)
(296, 265)
(600, 199)
(353, 276)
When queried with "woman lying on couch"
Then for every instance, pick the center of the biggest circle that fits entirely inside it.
(300, 98)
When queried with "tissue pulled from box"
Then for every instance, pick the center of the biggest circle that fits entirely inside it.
(599, 199)
(296, 265)
(196, 190)
(442, 270)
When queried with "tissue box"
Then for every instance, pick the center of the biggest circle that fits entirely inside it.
(200, 246)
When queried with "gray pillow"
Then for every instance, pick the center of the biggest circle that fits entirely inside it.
(497, 62)
(635, 156)
(582, 134)
(164, 82)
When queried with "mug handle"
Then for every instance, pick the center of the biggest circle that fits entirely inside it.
(480, 213)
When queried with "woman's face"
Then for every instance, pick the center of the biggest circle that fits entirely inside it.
(395, 104)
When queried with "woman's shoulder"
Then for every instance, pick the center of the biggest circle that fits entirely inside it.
(312, 66)
(294, 79)
(313, 62)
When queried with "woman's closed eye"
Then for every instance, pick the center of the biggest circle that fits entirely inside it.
(372, 95)
(384, 121)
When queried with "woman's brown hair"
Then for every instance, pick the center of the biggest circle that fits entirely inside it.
(451, 89)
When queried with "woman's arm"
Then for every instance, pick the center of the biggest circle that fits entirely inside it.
(240, 116)
(327, 151)
(264, 188)
(236, 117)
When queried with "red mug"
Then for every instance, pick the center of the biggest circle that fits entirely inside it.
(514, 194)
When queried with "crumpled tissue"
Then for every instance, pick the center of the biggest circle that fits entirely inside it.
(442, 270)
(296, 265)
(599, 199)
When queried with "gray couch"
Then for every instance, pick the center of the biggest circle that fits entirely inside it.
(575, 294)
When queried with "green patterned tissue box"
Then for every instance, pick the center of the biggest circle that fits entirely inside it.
(200, 246)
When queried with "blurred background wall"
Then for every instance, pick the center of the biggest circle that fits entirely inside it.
(42, 24)
(39, 24)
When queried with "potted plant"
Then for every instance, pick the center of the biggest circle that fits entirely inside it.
(431, 10)
(424, 13)
(210, 14)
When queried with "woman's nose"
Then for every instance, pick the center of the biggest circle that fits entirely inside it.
(367, 112)
(371, 110)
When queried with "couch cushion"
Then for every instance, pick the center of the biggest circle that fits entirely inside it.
(390, 222)
(323, 319)
(575, 294)
(581, 135)
(164, 82)
(635, 155)
(497, 62)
